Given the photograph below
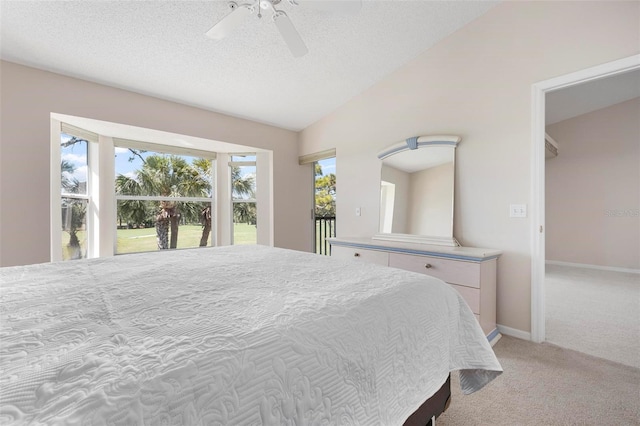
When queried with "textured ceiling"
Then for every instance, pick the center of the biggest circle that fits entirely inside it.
(158, 48)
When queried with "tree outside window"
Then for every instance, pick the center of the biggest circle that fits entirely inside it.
(74, 196)
(164, 193)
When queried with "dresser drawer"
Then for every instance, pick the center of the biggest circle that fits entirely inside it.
(452, 271)
(361, 255)
(471, 296)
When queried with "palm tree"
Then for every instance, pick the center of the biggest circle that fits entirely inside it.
(243, 187)
(166, 176)
(78, 212)
(244, 213)
(205, 219)
(203, 166)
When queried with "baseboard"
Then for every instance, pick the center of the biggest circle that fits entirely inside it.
(494, 336)
(514, 332)
(587, 266)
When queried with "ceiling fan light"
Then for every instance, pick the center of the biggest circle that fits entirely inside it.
(265, 4)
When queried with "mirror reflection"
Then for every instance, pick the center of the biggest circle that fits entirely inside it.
(417, 192)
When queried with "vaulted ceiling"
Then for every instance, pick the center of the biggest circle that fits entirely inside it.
(159, 48)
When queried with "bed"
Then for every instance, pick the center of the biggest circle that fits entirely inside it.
(234, 335)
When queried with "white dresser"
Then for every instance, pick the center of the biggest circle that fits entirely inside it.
(470, 271)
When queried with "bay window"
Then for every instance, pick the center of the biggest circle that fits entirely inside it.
(112, 195)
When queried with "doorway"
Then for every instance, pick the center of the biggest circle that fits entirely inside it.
(538, 224)
(592, 194)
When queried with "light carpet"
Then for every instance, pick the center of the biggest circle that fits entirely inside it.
(593, 311)
(544, 384)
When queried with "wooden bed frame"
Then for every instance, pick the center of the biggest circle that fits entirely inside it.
(432, 407)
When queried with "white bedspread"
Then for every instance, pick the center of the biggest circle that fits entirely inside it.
(232, 336)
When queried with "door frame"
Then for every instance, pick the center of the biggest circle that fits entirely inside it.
(538, 92)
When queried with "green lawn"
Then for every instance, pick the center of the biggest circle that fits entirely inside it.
(137, 240)
(244, 233)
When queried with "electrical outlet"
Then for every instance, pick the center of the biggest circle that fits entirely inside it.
(518, 210)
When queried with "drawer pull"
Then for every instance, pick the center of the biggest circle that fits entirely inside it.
(356, 254)
(428, 266)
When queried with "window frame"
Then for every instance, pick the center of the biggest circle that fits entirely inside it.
(77, 196)
(101, 229)
(168, 150)
(102, 217)
(234, 201)
(57, 194)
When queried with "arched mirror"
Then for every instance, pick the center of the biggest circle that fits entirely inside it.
(417, 181)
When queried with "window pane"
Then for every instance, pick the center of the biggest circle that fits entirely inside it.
(73, 164)
(248, 157)
(74, 229)
(157, 174)
(243, 181)
(244, 223)
(158, 225)
(325, 188)
(325, 204)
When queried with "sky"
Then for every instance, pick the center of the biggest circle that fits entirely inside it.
(328, 166)
(76, 155)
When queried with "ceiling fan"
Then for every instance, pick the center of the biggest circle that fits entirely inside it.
(240, 11)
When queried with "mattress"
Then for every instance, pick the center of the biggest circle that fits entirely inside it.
(231, 335)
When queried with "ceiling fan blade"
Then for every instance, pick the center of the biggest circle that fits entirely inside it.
(338, 6)
(290, 35)
(229, 23)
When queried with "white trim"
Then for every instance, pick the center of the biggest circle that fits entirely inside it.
(213, 239)
(93, 214)
(243, 163)
(74, 196)
(538, 92)
(224, 222)
(537, 214)
(514, 332)
(106, 219)
(163, 148)
(599, 267)
(55, 216)
(78, 132)
(264, 198)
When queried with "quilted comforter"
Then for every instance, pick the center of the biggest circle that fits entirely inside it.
(231, 336)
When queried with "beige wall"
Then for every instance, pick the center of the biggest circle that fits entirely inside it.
(477, 84)
(28, 96)
(593, 188)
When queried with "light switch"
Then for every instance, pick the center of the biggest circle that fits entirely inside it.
(358, 211)
(518, 210)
